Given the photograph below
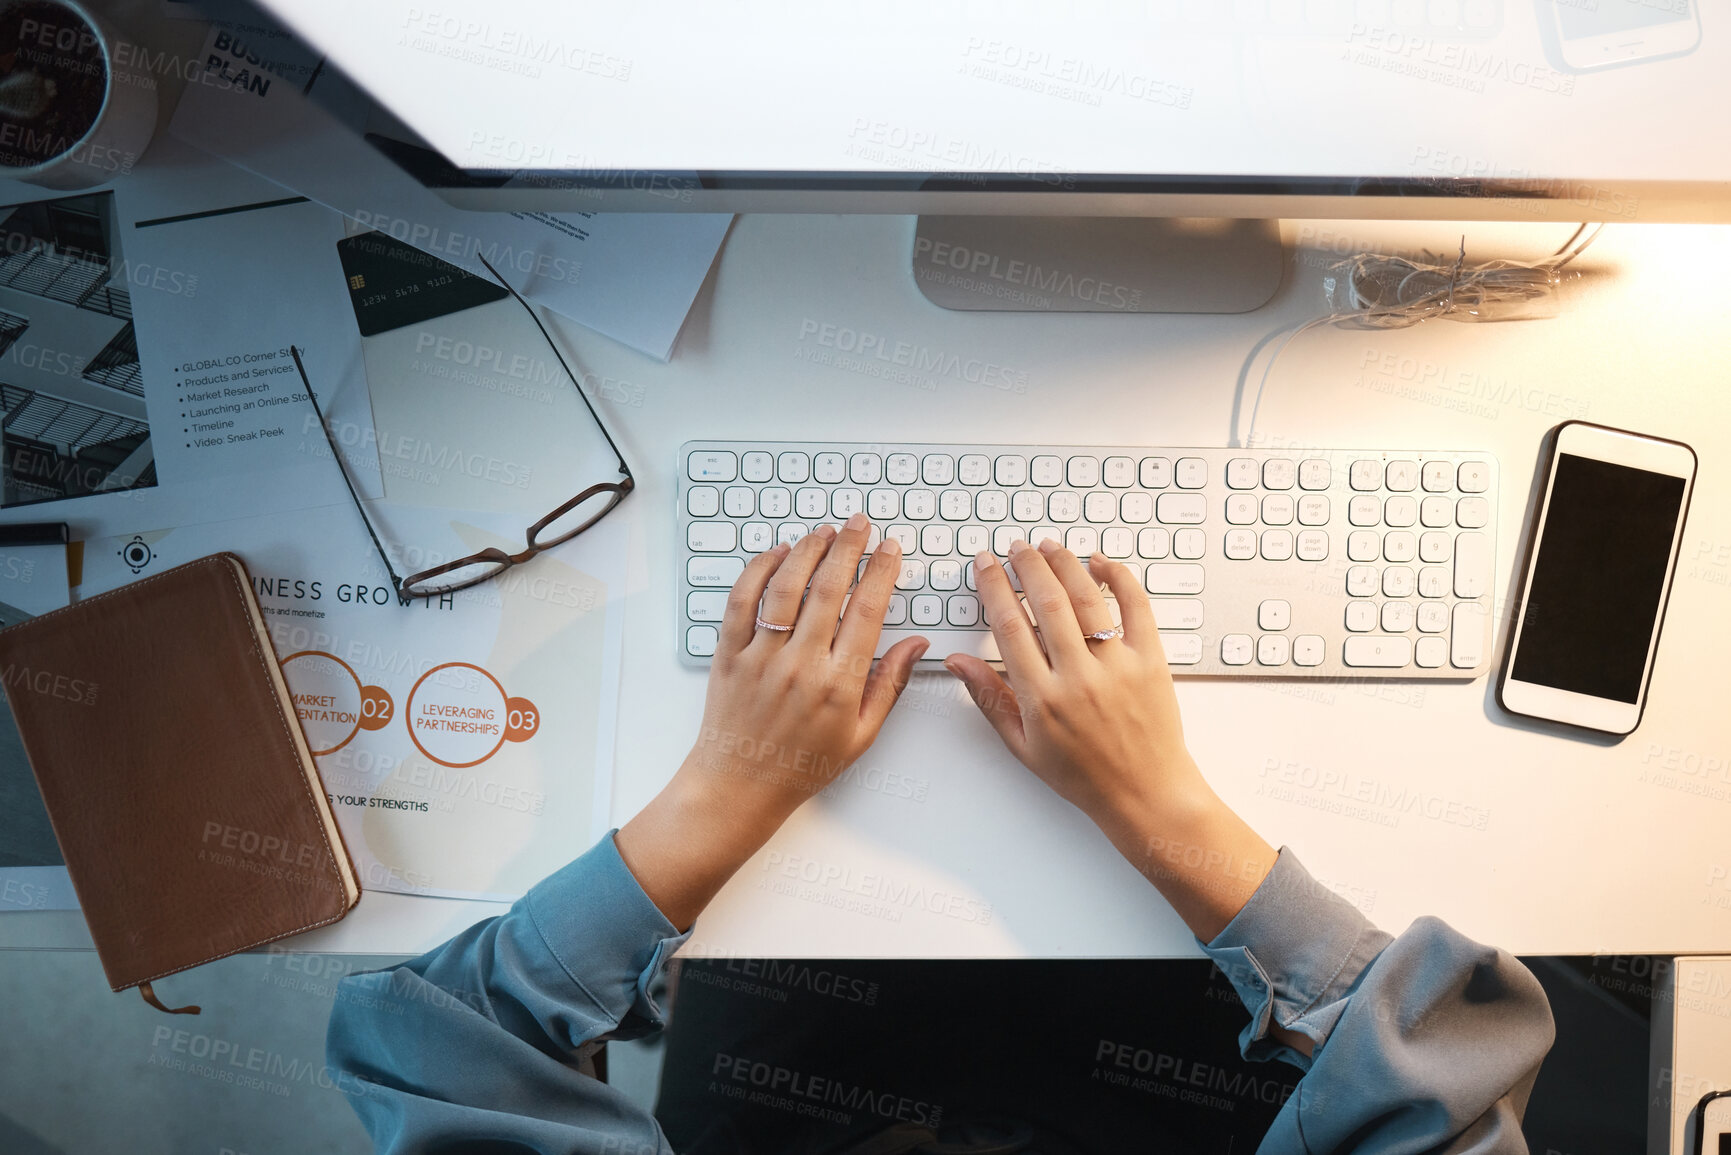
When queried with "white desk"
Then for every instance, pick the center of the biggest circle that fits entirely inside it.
(1588, 846)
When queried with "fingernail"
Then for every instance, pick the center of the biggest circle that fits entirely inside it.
(983, 559)
(1048, 544)
(890, 545)
(827, 532)
(857, 521)
(1017, 547)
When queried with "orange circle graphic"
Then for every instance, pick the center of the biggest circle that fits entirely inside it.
(409, 713)
(360, 691)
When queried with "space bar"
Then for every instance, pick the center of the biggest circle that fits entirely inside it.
(979, 643)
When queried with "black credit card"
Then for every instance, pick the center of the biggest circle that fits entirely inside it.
(392, 284)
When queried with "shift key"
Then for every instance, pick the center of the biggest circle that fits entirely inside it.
(1173, 579)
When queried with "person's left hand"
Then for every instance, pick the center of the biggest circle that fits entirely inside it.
(787, 711)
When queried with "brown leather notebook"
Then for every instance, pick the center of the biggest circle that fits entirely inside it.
(182, 792)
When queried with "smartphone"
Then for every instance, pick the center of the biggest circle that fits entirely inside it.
(1596, 578)
(1713, 1124)
(1604, 33)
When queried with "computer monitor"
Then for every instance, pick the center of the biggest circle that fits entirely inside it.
(1166, 113)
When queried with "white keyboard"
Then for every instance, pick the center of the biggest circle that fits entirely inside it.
(1258, 563)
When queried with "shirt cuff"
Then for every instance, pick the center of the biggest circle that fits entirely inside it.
(1294, 954)
(611, 940)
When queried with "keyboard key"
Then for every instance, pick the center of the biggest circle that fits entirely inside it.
(828, 468)
(711, 537)
(1154, 542)
(1396, 617)
(845, 502)
(1063, 506)
(1430, 652)
(1277, 509)
(1010, 470)
(1191, 473)
(1276, 544)
(793, 467)
(1242, 473)
(901, 469)
(811, 502)
(1027, 505)
(1397, 581)
(937, 539)
(1047, 470)
(1308, 650)
(1312, 545)
(1313, 473)
(1172, 578)
(945, 575)
(1436, 512)
(1117, 543)
(1240, 544)
(713, 572)
(1100, 506)
(937, 469)
(711, 465)
(904, 536)
(1082, 471)
(1189, 544)
(926, 609)
(1181, 649)
(1241, 509)
(706, 605)
(896, 610)
(1118, 473)
(1434, 546)
(774, 501)
(1363, 510)
(884, 504)
(1472, 512)
(1360, 616)
(1274, 614)
(1401, 477)
(1377, 652)
(1181, 508)
(700, 641)
(1313, 509)
(1278, 473)
(702, 501)
(1439, 476)
(1467, 635)
(739, 501)
(1400, 511)
(974, 469)
(1363, 545)
(1177, 613)
(921, 504)
(1366, 475)
(1272, 649)
(789, 533)
(1136, 508)
(1473, 477)
(1004, 536)
(1235, 649)
(1155, 472)
(963, 610)
(953, 504)
(1362, 581)
(971, 539)
(1472, 565)
(756, 536)
(757, 466)
(1434, 582)
(1399, 545)
(912, 575)
(865, 468)
(1082, 540)
(989, 505)
(1433, 618)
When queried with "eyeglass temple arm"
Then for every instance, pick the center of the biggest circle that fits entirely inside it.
(344, 470)
(553, 345)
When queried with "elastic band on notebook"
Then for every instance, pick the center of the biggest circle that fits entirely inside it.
(150, 997)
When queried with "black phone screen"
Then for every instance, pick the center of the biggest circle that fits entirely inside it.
(1599, 578)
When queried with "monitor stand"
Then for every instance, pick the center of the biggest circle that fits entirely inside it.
(1098, 264)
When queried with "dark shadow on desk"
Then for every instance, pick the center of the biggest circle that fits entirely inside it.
(1072, 1057)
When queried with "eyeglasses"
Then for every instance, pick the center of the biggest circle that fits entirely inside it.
(558, 527)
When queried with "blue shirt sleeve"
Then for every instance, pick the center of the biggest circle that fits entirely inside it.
(487, 1039)
(1425, 1042)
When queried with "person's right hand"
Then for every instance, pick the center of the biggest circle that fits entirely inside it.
(1098, 722)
